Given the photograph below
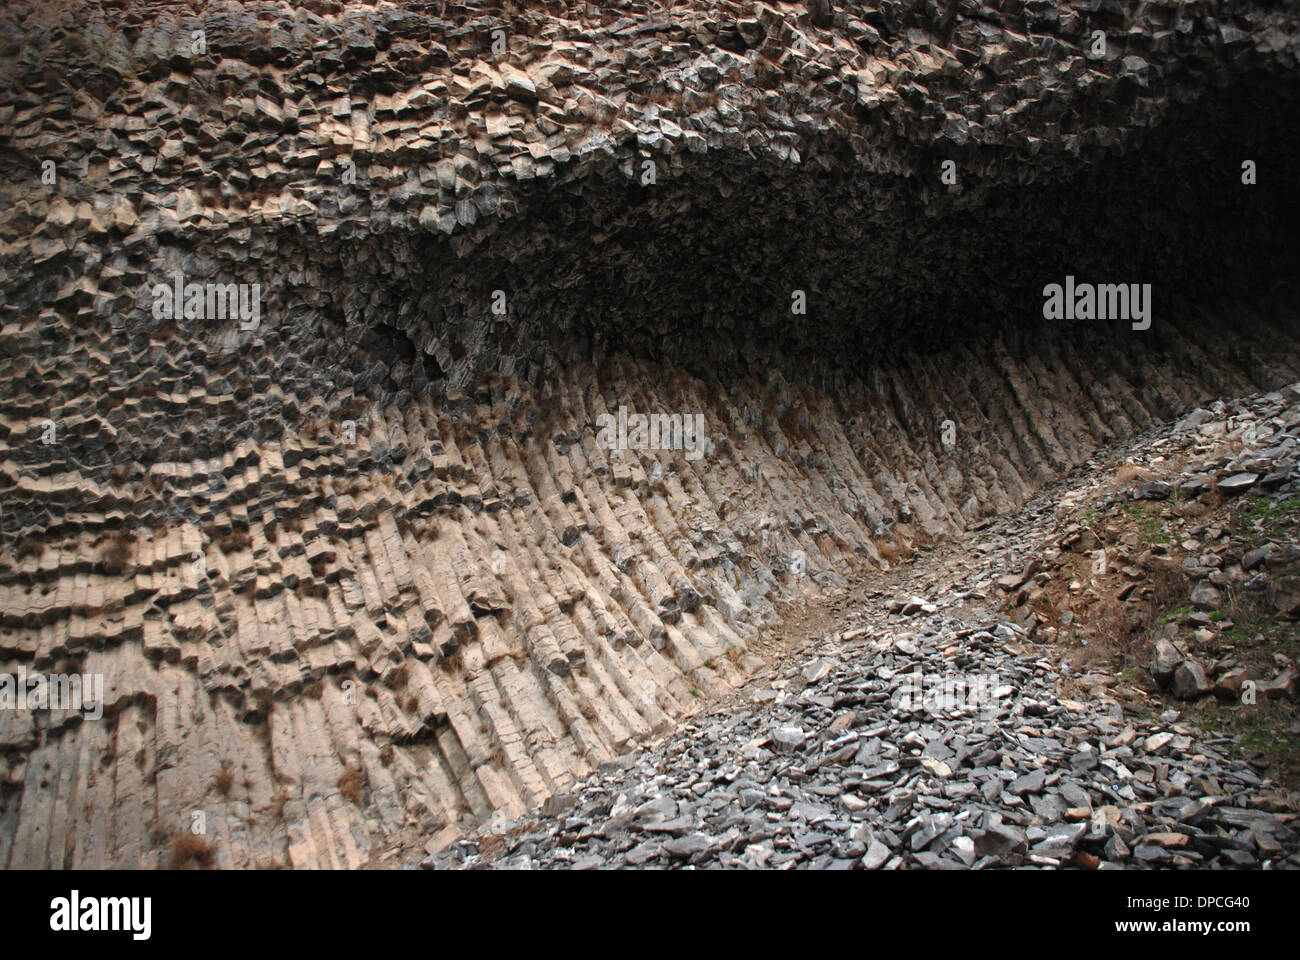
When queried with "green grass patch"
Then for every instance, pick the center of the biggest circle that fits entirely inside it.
(1210, 722)
(1262, 626)
(1150, 521)
(1267, 736)
(1266, 519)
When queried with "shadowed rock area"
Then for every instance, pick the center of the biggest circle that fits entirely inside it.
(356, 566)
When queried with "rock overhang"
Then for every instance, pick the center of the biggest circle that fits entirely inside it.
(586, 167)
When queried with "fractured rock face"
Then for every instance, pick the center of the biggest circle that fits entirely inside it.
(311, 316)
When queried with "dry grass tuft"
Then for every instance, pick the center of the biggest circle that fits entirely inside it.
(351, 783)
(191, 852)
(234, 541)
(117, 552)
(902, 546)
(1126, 474)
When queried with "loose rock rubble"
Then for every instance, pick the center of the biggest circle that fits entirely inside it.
(841, 772)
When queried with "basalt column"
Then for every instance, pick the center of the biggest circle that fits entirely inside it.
(408, 408)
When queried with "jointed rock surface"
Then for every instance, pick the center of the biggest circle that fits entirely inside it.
(356, 572)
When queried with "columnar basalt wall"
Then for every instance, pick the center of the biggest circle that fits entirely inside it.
(355, 566)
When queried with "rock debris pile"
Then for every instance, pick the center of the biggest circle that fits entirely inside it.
(836, 771)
